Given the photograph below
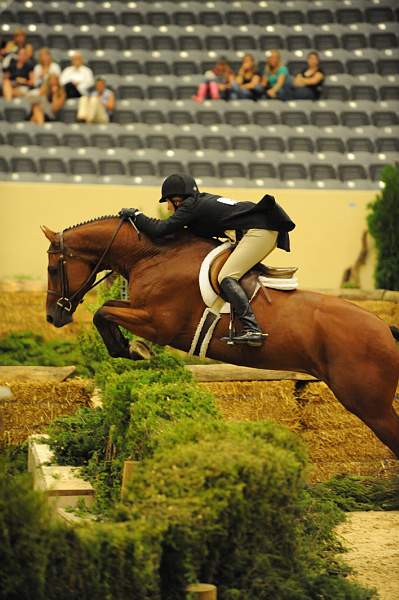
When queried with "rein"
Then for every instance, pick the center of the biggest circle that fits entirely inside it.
(64, 301)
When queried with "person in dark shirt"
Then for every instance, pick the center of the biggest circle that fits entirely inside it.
(259, 228)
(18, 78)
(307, 85)
(246, 84)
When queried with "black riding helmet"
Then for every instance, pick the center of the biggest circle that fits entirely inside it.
(178, 185)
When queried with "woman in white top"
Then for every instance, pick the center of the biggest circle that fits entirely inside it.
(44, 68)
(77, 79)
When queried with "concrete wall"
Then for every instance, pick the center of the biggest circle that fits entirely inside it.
(324, 243)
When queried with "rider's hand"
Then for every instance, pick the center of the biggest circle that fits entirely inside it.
(128, 213)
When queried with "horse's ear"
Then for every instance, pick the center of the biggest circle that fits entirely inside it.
(50, 235)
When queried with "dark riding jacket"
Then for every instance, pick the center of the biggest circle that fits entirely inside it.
(210, 215)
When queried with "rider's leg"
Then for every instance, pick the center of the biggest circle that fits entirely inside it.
(255, 245)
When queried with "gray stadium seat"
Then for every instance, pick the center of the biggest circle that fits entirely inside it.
(359, 144)
(364, 92)
(74, 140)
(326, 41)
(102, 140)
(186, 142)
(47, 139)
(389, 92)
(335, 92)
(379, 14)
(82, 166)
(320, 16)
(292, 171)
(301, 144)
(18, 138)
(349, 15)
(243, 142)
(354, 41)
(324, 118)
(383, 40)
(293, 118)
(271, 143)
(132, 141)
(387, 144)
(262, 170)
(352, 172)
(388, 66)
(323, 172)
(200, 168)
(215, 142)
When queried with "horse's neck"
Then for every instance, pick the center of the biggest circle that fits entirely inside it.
(129, 250)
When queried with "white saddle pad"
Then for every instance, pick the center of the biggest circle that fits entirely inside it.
(209, 296)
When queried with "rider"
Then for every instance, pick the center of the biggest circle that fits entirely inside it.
(259, 229)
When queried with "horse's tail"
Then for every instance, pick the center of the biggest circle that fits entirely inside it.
(395, 331)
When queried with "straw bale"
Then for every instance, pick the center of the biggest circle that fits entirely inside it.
(321, 410)
(352, 444)
(254, 401)
(35, 405)
(386, 468)
(25, 311)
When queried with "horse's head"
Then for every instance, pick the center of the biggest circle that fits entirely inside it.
(68, 272)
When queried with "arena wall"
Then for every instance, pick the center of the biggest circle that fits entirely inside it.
(326, 241)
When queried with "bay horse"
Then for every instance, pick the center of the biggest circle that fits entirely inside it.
(348, 348)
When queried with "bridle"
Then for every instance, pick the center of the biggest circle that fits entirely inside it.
(65, 302)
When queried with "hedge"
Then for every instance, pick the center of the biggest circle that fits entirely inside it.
(227, 504)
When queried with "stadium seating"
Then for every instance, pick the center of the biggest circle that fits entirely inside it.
(154, 54)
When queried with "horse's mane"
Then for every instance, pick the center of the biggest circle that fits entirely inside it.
(103, 218)
(183, 236)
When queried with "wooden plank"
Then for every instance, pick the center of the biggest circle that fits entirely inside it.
(47, 374)
(225, 372)
(128, 470)
(202, 591)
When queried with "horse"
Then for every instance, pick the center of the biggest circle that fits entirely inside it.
(350, 349)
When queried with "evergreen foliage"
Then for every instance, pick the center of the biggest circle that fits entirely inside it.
(383, 223)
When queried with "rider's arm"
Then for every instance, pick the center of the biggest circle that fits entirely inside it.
(157, 228)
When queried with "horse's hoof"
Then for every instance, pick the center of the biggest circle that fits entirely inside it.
(139, 350)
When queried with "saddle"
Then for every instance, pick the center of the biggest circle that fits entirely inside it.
(250, 279)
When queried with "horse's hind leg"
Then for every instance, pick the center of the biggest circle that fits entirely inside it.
(370, 397)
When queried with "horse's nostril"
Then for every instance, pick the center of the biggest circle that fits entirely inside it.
(49, 319)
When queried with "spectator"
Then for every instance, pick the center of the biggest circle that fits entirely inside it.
(307, 85)
(48, 102)
(77, 79)
(247, 83)
(218, 82)
(10, 49)
(44, 68)
(99, 105)
(275, 77)
(18, 76)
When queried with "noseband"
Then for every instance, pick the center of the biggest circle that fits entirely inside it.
(64, 301)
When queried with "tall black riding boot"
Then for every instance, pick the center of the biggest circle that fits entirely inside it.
(232, 292)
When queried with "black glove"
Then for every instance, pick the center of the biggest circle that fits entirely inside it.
(128, 213)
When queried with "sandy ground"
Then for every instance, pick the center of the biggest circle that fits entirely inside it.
(373, 542)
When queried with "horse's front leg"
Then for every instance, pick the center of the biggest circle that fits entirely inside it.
(115, 313)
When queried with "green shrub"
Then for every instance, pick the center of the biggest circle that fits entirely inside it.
(155, 407)
(351, 492)
(231, 509)
(23, 523)
(26, 348)
(383, 223)
(75, 438)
